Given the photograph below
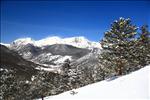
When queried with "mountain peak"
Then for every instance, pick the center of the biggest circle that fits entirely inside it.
(80, 42)
(23, 41)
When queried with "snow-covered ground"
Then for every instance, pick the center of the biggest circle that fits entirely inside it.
(134, 86)
(54, 69)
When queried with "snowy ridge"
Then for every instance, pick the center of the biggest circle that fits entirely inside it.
(134, 86)
(80, 42)
(5, 44)
(24, 41)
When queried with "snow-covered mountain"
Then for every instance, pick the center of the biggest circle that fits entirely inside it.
(80, 42)
(53, 50)
(134, 86)
(56, 54)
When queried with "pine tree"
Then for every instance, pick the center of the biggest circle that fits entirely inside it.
(116, 44)
(74, 78)
(144, 46)
(43, 84)
(140, 50)
(66, 68)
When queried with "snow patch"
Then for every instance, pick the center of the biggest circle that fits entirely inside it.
(62, 59)
(54, 69)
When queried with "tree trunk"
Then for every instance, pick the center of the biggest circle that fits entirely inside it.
(120, 70)
(120, 67)
(103, 75)
(42, 97)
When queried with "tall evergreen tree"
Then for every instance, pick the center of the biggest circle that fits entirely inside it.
(116, 44)
(144, 46)
(140, 50)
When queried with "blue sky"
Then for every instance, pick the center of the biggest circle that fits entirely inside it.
(40, 19)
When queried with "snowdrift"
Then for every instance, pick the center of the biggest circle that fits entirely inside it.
(134, 86)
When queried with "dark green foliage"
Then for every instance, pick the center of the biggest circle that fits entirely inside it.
(12, 87)
(116, 43)
(44, 84)
(41, 85)
(144, 46)
(139, 50)
(123, 50)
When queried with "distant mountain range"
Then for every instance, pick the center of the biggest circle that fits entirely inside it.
(51, 52)
(79, 42)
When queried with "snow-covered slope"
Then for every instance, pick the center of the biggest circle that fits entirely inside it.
(134, 86)
(80, 42)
